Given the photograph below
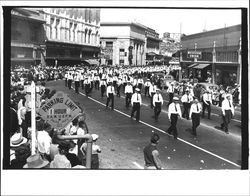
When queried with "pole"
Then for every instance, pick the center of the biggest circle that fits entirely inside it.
(33, 118)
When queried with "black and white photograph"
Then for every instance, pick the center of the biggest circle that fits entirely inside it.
(95, 88)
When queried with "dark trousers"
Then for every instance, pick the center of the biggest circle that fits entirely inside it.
(66, 82)
(226, 120)
(128, 99)
(82, 85)
(110, 97)
(87, 89)
(146, 91)
(136, 108)
(186, 110)
(208, 109)
(157, 110)
(140, 86)
(97, 84)
(77, 84)
(124, 85)
(172, 128)
(103, 88)
(170, 95)
(69, 83)
(118, 90)
(151, 99)
(195, 122)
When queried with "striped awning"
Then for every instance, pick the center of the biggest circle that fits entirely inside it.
(192, 65)
(201, 66)
(92, 61)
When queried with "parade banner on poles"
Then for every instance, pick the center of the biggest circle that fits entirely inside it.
(59, 111)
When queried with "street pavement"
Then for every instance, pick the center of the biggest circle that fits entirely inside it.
(122, 139)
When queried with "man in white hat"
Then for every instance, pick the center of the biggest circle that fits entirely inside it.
(70, 79)
(194, 114)
(207, 100)
(157, 103)
(174, 110)
(186, 99)
(152, 91)
(170, 92)
(128, 93)
(103, 86)
(227, 112)
(136, 104)
(146, 87)
(77, 81)
(110, 95)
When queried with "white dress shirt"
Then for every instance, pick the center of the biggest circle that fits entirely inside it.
(110, 89)
(195, 109)
(128, 89)
(170, 89)
(207, 97)
(152, 89)
(227, 105)
(136, 98)
(103, 83)
(157, 98)
(147, 83)
(174, 110)
(186, 98)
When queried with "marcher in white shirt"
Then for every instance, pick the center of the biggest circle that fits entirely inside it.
(207, 100)
(186, 100)
(103, 86)
(110, 95)
(136, 104)
(128, 92)
(70, 79)
(77, 82)
(195, 115)
(146, 87)
(157, 103)
(174, 110)
(119, 84)
(170, 92)
(227, 112)
(152, 91)
(66, 78)
(140, 83)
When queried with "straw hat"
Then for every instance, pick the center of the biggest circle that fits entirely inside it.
(176, 99)
(35, 161)
(17, 139)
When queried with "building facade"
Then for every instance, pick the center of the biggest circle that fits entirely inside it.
(27, 36)
(127, 43)
(72, 35)
(215, 54)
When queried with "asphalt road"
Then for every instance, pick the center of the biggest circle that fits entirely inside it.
(122, 139)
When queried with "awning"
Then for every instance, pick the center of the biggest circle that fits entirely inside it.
(92, 61)
(201, 66)
(192, 65)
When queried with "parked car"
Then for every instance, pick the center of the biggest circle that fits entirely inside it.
(213, 88)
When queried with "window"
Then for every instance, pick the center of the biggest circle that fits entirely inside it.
(121, 61)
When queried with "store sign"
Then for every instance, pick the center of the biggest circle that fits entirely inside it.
(194, 54)
(59, 111)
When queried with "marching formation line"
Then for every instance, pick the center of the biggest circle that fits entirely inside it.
(160, 130)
